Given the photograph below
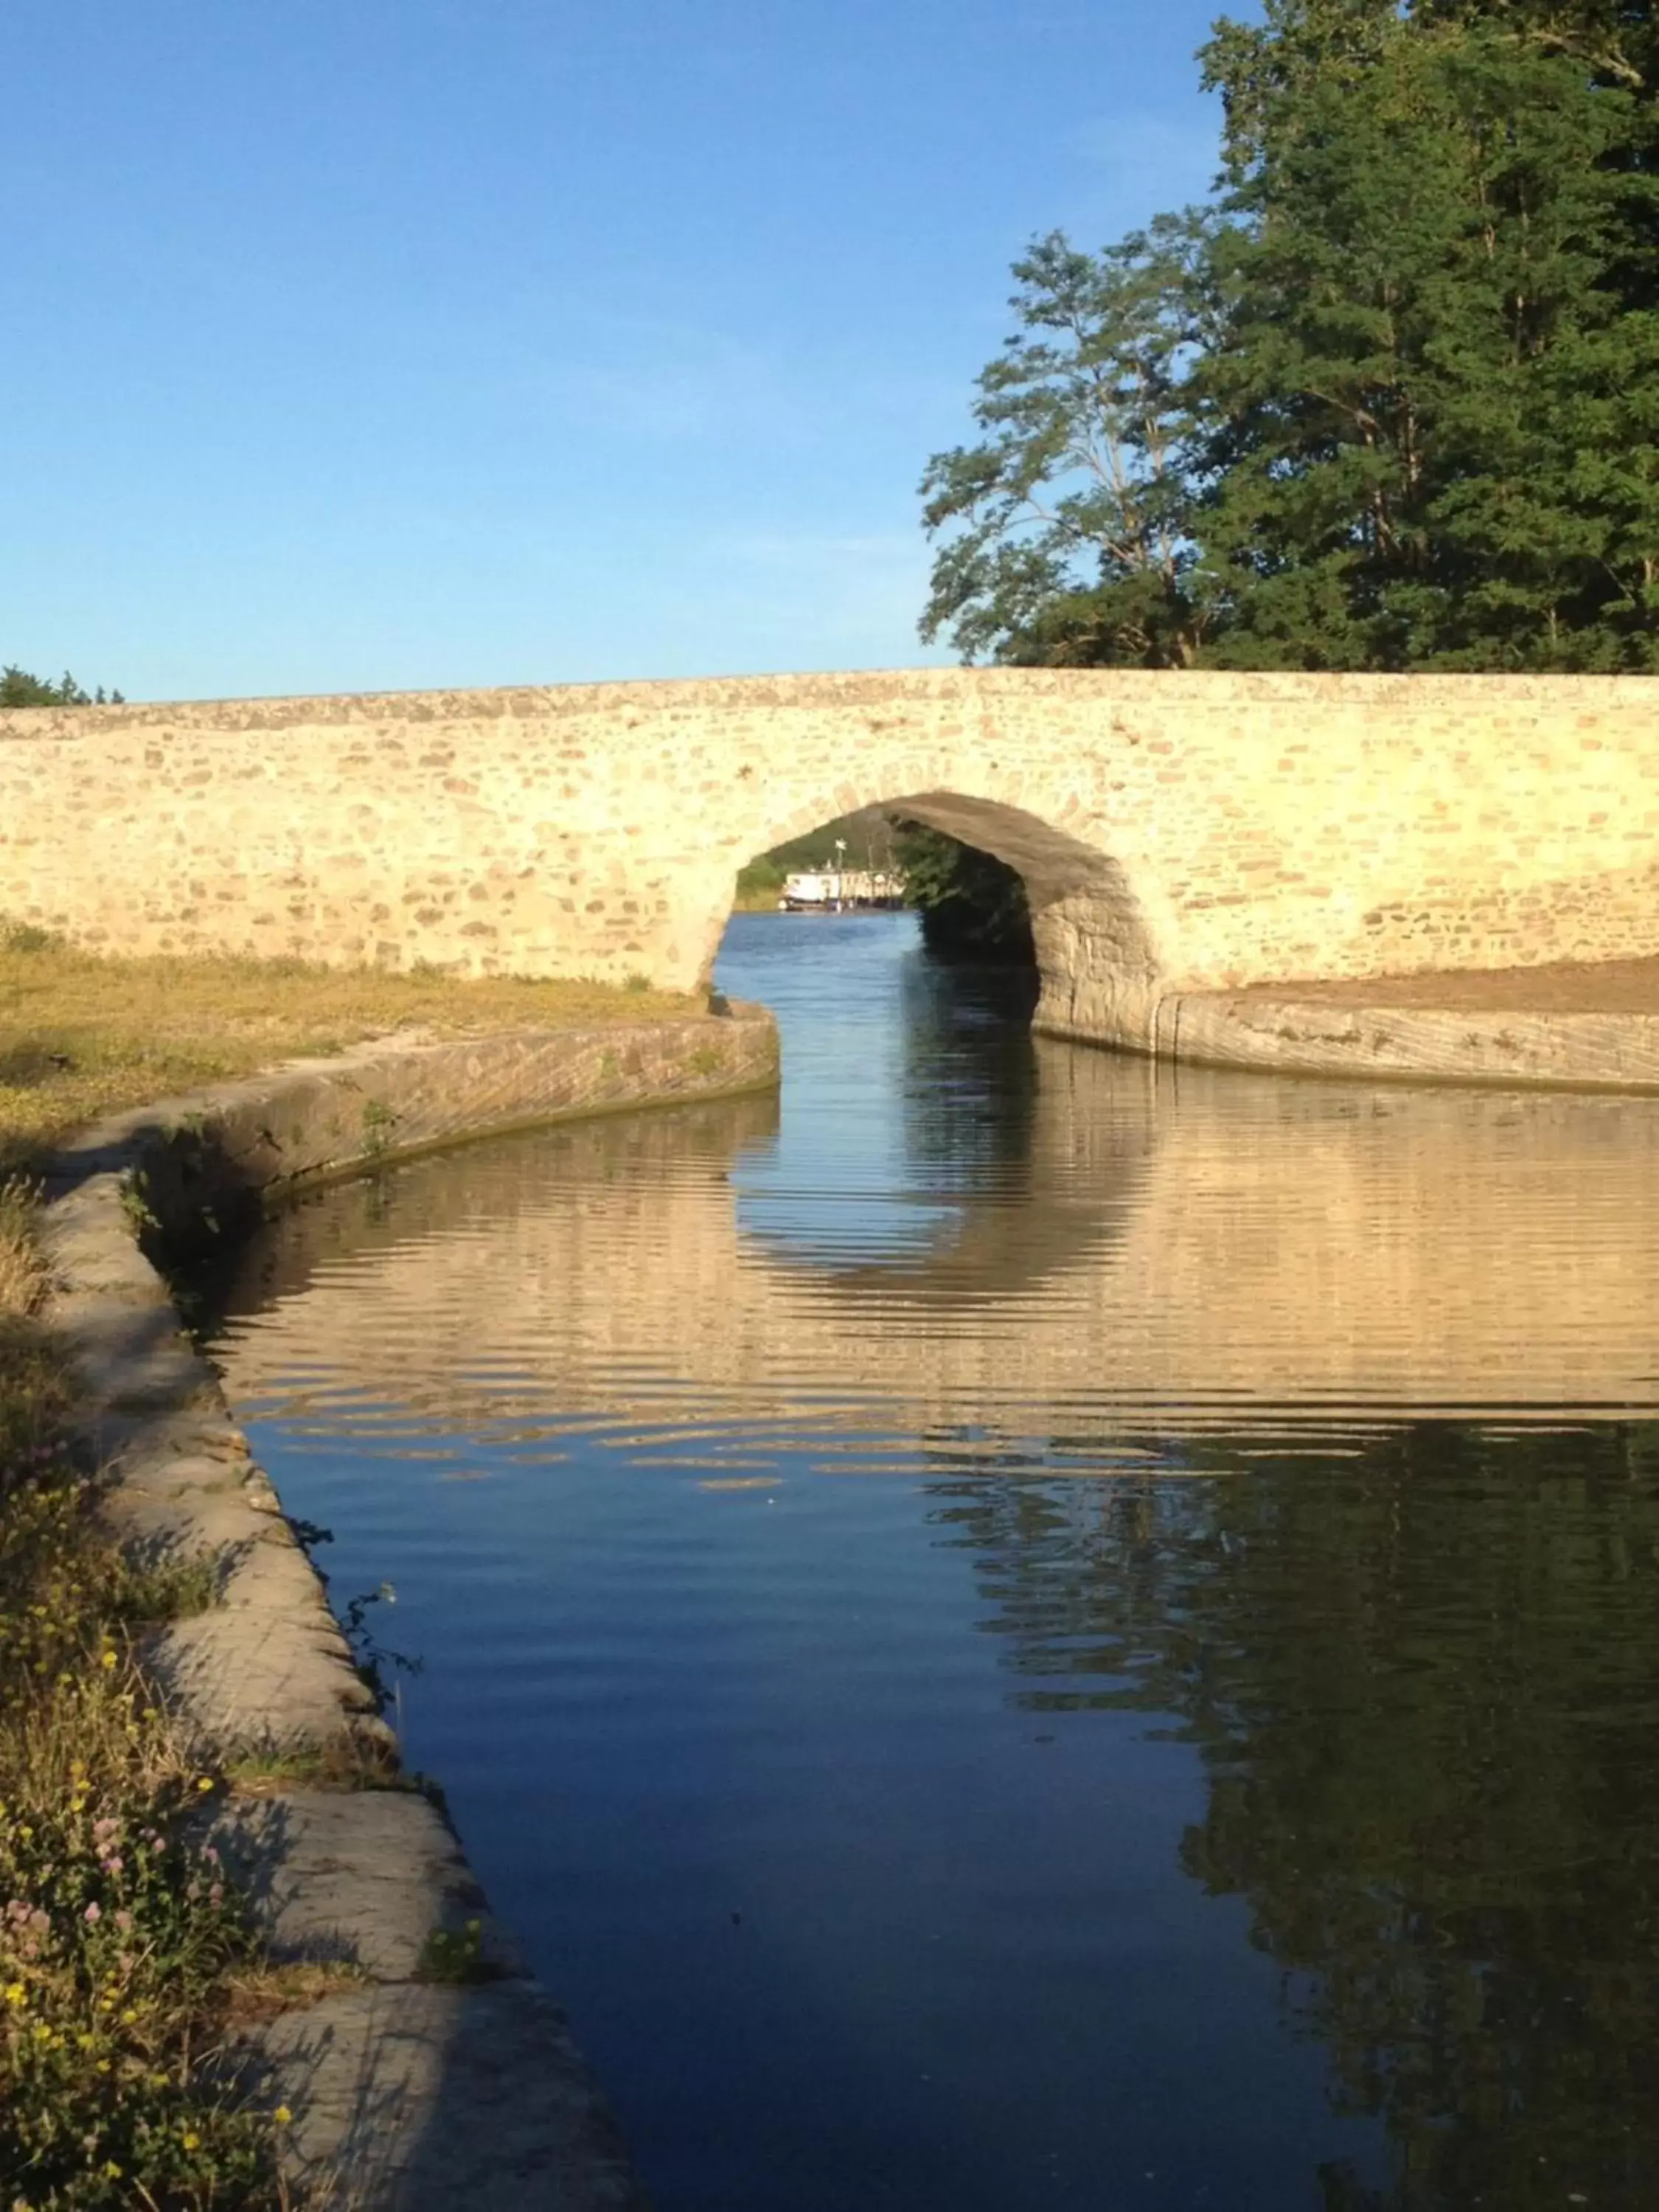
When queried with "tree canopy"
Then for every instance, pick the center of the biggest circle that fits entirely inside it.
(1390, 401)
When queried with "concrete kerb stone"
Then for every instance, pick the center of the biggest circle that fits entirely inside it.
(407, 2093)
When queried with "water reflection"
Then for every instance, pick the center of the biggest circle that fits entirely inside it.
(1202, 1774)
(1425, 1688)
(1155, 1246)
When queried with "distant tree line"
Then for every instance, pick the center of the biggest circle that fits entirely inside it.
(19, 689)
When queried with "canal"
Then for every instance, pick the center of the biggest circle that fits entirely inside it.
(1017, 1631)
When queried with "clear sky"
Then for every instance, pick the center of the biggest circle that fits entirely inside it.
(353, 344)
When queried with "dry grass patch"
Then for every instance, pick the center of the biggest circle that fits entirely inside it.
(82, 1036)
(262, 1992)
(351, 1760)
(22, 1270)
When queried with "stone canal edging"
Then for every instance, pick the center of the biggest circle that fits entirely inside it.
(435, 2071)
(1350, 1033)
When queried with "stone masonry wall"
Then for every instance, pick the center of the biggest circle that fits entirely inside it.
(1177, 832)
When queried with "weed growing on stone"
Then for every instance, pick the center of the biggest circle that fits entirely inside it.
(378, 1121)
(134, 1202)
(358, 1759)
(454, 1955)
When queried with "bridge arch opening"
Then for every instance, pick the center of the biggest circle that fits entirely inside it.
(1095, 945)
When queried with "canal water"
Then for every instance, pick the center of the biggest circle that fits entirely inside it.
(1018, 1631)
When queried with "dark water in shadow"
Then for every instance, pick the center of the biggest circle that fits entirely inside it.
(1028, 1632)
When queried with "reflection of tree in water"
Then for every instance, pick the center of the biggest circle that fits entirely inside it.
(969, 1084)
(1424, 1684)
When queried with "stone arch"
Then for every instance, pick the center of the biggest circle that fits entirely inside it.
(1100, 949)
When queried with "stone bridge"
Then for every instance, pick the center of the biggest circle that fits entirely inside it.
(1178, 833)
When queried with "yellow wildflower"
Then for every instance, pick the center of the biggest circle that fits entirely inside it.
(282, 2116)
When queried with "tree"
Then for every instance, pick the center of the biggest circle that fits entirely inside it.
(1066, 531)
(19, 689)
(1432, 416)
(1392, 401)
(972, 905)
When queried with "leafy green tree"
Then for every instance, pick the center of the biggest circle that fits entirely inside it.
(1431, 418)
(1393, 402)
(1066, 531)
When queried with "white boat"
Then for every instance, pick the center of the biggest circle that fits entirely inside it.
(835, 891)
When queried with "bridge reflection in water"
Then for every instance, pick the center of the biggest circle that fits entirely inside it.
(1291, 1447)
(1161, 1245)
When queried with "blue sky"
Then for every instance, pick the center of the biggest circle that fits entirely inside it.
(354, 344)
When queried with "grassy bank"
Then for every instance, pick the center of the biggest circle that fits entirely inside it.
(80, 1037)
(125, 1960)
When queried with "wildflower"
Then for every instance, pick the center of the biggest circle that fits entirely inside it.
(16, 1994)
(108, 1659)
(124, 1920)
(204, 1782)
(93, 1914)
(192, 2141)
(282, 2116)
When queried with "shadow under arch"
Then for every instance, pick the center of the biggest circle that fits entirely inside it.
(1100, 950)
(982, 1147)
